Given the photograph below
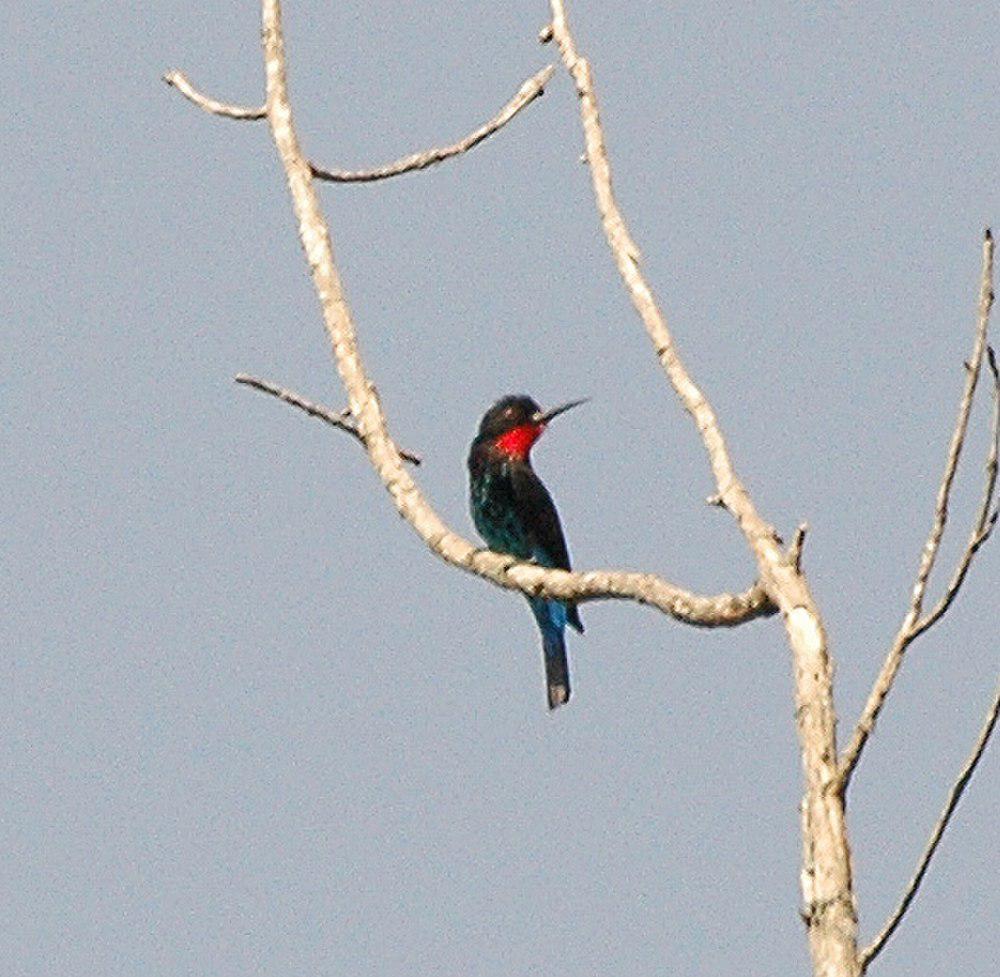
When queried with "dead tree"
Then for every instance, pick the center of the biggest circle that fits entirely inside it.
(829, 906)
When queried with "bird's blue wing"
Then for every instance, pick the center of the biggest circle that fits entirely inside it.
(538, 514)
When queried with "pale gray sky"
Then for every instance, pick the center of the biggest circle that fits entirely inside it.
(252, 727)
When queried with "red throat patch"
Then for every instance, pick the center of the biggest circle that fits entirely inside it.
(517, 442)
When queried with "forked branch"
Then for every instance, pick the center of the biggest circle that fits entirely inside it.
(525, 95)
(986, 520)
(914, 624)
(954, 796)
(532, 88)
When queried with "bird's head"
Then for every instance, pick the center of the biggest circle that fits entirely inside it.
(514, 423)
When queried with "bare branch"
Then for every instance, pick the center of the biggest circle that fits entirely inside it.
(730, 494)
(827, 885)
(913, 625)
(338, 419)
(954, 796)
(986, 519)
(973, 369)
(177, 79)
(826, 877)
(524, 96)
(366, 411)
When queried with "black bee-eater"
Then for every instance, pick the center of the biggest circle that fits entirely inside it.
(515, 514)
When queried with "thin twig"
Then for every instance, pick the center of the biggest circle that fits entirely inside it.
(954, 796)
(724, 610)
(337, 419)
(524, 96)
(177, 79)
(913, 625)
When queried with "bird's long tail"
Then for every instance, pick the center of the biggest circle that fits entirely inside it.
(551, 618)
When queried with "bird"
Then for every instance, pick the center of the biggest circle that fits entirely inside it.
(514, 513)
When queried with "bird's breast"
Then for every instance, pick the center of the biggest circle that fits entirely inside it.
(494, 510)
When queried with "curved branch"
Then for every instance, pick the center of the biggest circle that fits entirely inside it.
(177, 79)
(731, 493)
(525, 95)
(338, 419)
(827, 883)
(954, 796)
(384, 454)
(913, 624)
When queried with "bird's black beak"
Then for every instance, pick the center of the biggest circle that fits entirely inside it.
(544, 418)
